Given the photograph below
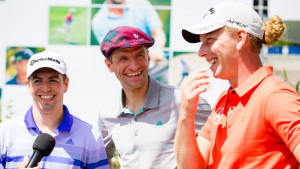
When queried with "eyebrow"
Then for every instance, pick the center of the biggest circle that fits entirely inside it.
(51, 77)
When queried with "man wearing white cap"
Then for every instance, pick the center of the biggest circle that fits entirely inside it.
(256, 122)
(78, 144)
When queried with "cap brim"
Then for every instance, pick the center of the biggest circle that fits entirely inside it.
(192, 34)
(43, 66)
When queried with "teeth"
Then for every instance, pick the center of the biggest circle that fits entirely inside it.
(212, 61)
(46, 97)
(133, 74)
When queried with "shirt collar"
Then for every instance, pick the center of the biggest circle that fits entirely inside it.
(65, 124)
(152, 96)
(254, 80)
(250, 83)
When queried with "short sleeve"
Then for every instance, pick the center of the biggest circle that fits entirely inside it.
(108, 142)
(283, 115)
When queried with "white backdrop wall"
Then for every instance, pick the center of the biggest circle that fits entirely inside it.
(26, 23)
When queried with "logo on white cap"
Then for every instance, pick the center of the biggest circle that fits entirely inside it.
(229, 13)
(46, 59)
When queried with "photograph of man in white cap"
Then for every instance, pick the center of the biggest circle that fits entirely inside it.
(256, 122)
(78, 144)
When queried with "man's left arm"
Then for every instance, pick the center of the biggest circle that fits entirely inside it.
(296, 152)
(283, 113)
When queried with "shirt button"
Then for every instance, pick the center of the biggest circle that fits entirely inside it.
(233, 91)
(232, 108)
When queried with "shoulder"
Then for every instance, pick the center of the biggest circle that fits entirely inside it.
(272, 85)
(84, 128)
(13, 122)
(110, 107)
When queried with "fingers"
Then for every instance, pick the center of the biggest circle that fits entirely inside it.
(24, 163)
(196, 82)
(191, 88)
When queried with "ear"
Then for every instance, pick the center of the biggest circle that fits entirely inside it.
(28, 86)
(148, 55)
(241, 39)
(66, 84)
(108, 65)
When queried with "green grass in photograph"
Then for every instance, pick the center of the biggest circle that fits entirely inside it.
(98, 1)
(57, 32)
(94, 40)
(161, 2)
(153, 2)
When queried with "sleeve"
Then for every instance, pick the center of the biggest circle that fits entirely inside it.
(96, 156)
(202, 113)
(152, 18)
(2, 149)
(98, 23)
(108, 142)
(283, 114)
(205, 130)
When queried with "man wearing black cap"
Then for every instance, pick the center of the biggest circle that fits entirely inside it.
(141, 124)
(20, 62)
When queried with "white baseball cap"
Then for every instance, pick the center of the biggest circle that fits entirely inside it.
(46, 59)
(230, 13)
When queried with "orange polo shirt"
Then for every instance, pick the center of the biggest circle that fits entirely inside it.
(256, 125)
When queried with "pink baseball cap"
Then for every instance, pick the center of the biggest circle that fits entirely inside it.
(124, 37)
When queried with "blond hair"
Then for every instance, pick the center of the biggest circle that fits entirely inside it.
(274, 29)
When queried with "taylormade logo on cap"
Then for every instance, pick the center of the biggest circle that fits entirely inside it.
(46, 59)
(230, 13)
(43, 59)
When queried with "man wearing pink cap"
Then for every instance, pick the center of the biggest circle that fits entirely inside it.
(142, 123)
(256, 122)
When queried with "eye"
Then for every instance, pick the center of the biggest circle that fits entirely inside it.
(53, 80)
(209, 40)
(123, 59)
(37, 81)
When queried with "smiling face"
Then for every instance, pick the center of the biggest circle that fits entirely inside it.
(219, 50)
(131, 66)
(47, 88)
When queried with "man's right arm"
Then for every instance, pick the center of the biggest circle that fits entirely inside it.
(191, 152)
(108, 143)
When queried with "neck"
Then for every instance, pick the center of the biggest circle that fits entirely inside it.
(47, 121)
(116, 11)
(247, 66)
(21, 78)
(135, 99)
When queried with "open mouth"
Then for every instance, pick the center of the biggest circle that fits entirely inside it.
(49, 97)
(134, 74)
(213, 61)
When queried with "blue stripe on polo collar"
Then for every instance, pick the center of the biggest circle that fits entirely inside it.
(65, 124)
(131, 112)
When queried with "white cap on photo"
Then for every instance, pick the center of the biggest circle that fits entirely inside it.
(230, 13)
(46, 59)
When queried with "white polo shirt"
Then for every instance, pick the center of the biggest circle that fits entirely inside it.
(78, 144)
(146, 140)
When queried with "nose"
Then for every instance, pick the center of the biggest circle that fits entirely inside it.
(134, 65)
(202, 51)
(46, 87)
